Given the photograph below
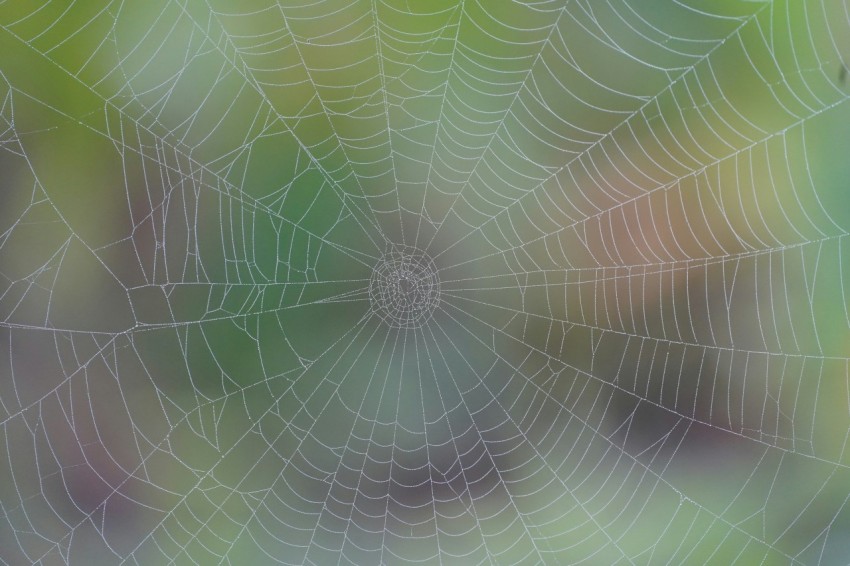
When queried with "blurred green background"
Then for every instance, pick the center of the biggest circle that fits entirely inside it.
(638, 210)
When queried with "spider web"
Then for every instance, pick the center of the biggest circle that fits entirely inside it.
(632, 347)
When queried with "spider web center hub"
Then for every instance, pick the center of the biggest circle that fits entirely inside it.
(405, 287)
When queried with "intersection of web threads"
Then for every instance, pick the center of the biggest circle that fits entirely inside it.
(405, 288)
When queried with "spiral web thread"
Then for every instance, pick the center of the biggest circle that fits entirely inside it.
(624, 339)
(404, 288)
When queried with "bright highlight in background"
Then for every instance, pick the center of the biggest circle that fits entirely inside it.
(361, 282)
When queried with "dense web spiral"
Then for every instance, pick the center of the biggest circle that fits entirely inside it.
(430, 282)
(405, 287)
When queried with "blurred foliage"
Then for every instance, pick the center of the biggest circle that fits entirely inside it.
(639, 211)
